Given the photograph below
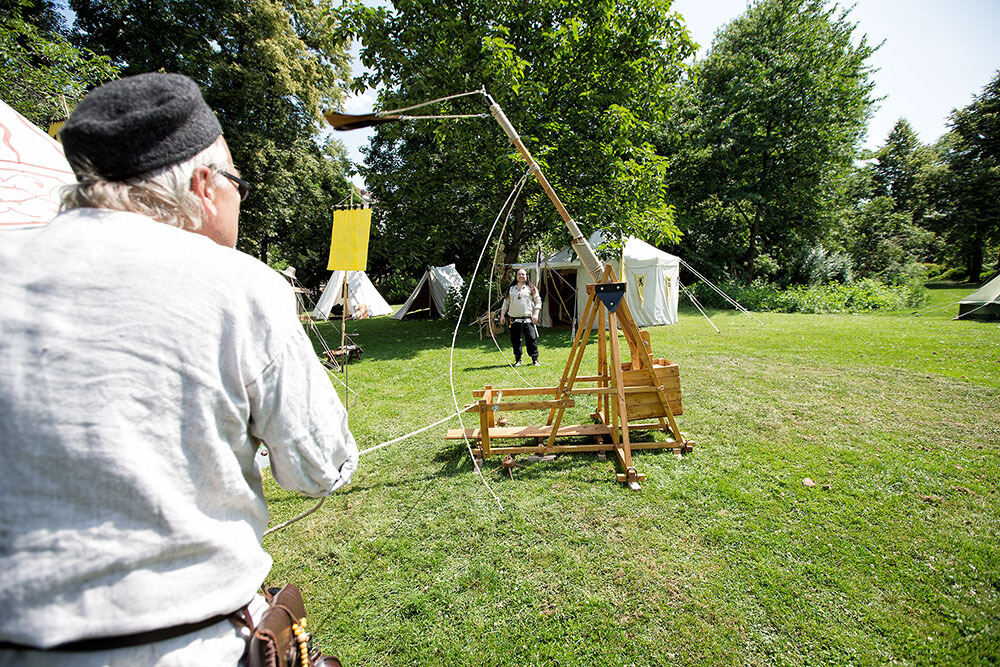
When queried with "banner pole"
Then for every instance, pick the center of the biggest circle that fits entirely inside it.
(343, 314)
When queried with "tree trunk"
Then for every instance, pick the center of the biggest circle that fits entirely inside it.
(512, 249)
(264, 244)
(752, 245)
(974, 262)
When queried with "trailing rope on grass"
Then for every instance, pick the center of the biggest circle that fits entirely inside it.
(515, 193)
(362, 453)
(508, 207)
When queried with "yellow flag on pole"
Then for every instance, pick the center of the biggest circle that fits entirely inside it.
(349, 239)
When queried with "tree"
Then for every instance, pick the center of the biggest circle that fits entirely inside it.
(970, 187)
(584, 84)
(268, 68)
(772, 120)
(884, 243)
(41, 73)
(894, 172)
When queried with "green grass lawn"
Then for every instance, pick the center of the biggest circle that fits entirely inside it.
(724, 556)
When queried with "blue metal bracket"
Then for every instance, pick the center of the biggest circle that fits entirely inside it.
(610, 294)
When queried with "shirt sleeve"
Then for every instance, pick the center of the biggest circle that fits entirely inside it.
(536, 302)
(297, 414)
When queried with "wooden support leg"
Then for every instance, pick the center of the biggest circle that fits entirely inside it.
(618, 384)
(564, 393)
(602, 364)
(582, 333)
(485, 419)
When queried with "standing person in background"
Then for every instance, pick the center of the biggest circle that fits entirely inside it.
(523, 303)
(142, 362)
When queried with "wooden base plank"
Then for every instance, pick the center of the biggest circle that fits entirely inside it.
(581, 447)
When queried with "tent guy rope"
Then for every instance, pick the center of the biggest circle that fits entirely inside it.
(721, 293)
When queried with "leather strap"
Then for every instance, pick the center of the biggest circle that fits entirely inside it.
(125, 641)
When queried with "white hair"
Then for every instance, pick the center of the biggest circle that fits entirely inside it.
(164, 194)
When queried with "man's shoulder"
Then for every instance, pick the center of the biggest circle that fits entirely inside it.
(164, 249)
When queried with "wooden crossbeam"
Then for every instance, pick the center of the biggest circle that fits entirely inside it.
(514, 406)
(566, 431)
(628, 394)
(575, 448)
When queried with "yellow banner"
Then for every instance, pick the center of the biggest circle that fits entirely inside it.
(349, 239)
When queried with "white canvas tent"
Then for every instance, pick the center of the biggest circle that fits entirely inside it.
(365, 300)
(33, 170)
(652, 276)
(984, 303)
(431, 293)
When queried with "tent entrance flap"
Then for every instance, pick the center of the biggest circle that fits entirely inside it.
(558, 297)
(430, 297)
(421, 303)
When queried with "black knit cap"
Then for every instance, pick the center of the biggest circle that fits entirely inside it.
(138, 124)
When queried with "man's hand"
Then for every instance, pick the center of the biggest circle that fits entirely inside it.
(501, 318)
(534, 318)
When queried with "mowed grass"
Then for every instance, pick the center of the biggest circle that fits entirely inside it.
(724, 556)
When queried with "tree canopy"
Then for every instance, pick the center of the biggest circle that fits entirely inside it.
(585, 85)
(268, 68)
(41, 73)
(774, 116)
(750, 156)
(970, 186)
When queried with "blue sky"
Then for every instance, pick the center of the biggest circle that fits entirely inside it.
(936, 55)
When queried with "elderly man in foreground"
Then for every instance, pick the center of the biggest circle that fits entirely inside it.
(142, 361)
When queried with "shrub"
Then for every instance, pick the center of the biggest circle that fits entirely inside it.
(819, 266)
(835, 297)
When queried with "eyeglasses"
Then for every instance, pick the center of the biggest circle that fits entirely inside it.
(241, 185)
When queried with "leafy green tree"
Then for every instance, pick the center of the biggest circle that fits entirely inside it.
(772, 120)
(882, 218)
(268, 68)
(584, 83)
(894, 172)
(969, 188)
(41, 73)
(884, 243)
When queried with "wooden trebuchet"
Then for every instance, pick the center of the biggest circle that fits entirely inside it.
(641, 394)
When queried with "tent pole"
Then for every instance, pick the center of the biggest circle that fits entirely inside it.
(343, 313)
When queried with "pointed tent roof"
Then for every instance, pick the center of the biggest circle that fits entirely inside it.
(984, 302)
(33, 170)
(439, 281)
(360, 292)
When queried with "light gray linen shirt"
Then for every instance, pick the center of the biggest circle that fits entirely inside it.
(520, 302)
(140, 365)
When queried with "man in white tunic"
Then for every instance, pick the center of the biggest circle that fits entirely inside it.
(523, 303)
(142, 361)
